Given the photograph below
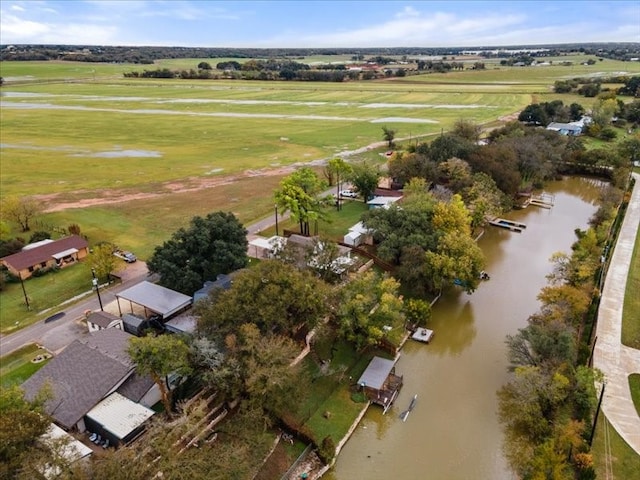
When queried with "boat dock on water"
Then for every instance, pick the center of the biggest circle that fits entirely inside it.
(508, 224)
(423, 335)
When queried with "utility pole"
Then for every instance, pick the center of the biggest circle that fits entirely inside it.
(94, 281)
(26, 298)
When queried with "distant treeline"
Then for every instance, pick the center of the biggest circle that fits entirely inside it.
(147, 55)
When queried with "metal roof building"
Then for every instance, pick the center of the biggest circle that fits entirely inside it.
(376, 373)
(118, 418)
(155, 298)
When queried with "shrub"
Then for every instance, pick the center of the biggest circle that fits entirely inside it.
(39, 236)
(74, 229)
(327, 449)
(608, 134)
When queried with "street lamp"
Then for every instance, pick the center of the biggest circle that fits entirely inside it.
(94, 281)
(276, 207)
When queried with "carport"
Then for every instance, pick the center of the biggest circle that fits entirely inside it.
(154, 299)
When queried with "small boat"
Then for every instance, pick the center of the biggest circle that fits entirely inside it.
(406, 413)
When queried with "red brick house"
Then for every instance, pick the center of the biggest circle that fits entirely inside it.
(46, 254)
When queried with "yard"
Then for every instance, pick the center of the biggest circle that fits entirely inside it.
(336, 225)
(45, 294)
(18, 366)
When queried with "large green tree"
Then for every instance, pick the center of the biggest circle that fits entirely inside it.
(20, 210)
(21, 424)
(364, 178)
(160, 357)
(298, 194)
(211, 245)
(274, 296)
(102, 260)
(368, 304)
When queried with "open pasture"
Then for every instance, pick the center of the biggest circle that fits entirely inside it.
(544, 75)
(86, 136)
(166, 150)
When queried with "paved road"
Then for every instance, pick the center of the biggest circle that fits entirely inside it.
(56, 335)
(615, 360)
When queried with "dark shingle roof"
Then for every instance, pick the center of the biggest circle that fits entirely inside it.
(82, 375)
(44, 253)
(102, 319)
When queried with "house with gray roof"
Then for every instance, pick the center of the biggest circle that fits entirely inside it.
(85, 373)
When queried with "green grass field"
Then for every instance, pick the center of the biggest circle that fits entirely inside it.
(634, 386)
(45, 295)
(132, 160)
(613, 457)
(16, 367)
(631, 309)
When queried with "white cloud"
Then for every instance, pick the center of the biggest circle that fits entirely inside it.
(17, 30)
(408, 12)
(17, 8)
(408, 28)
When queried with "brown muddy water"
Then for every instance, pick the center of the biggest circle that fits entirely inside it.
(453, 432)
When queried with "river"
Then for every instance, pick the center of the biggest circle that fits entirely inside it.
(453, 432)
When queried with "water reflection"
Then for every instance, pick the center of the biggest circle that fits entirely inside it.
(455, 326)
(454, 433)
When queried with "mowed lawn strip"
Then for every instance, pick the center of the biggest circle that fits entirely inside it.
(45, 293)
(631, 308)
(17, 367)
(615, 456)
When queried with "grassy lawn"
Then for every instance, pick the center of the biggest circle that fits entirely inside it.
(330, 391)
(334, 227)
(16, 367)
(44, 293)
(634, 386)
(631, 311)
(625, 463)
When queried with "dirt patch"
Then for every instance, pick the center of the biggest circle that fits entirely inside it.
(57, 202)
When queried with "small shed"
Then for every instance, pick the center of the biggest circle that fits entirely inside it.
(353, 239)
(380, 383)
(118, 419)
(357, 235)
(102, 321)
(155, 299)
(382, 202)
(261, 247)
(183, 323)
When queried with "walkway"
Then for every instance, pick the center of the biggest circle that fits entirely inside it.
(615, 360)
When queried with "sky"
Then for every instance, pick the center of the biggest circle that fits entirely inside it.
(317, 24)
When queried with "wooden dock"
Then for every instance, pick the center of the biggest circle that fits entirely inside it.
(423, 335)
(543, 200)
(508, 224)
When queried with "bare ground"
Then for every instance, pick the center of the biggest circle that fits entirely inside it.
(88, 198)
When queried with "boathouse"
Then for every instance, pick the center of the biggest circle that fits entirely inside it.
(380, 383)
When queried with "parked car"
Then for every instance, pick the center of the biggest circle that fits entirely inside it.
(126, 256)
(348, 194)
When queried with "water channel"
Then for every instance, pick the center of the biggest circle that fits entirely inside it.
(453, 432)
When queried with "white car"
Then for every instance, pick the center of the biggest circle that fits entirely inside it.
(348, 194)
